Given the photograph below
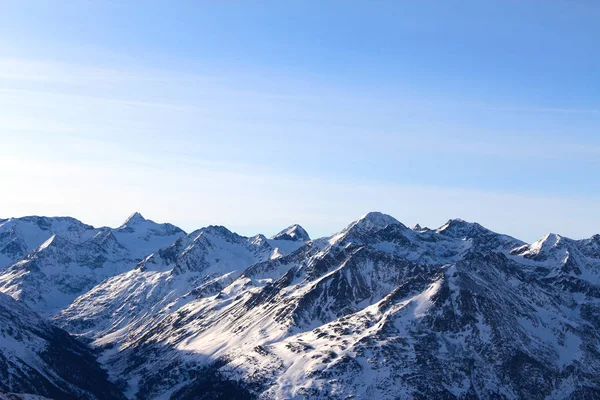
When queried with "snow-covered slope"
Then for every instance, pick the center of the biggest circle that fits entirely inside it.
(20, 236)
(141, 237)
(294, 232)
(197, 266)
(38, 358)
(377, 310)
(73, 257)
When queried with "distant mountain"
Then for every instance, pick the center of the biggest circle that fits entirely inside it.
(141, 237)
(54, 260)
(294, 232)
(198, 266)
(20, 236)
(377, 310)
(40, 359)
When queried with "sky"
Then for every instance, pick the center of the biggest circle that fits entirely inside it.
(259, 114)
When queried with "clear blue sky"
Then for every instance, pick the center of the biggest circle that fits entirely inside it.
(257, 114)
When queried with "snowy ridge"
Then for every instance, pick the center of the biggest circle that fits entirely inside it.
(294, 232)
(69, 257)
(20, 236)
(356, 314)
(196, 266)
(377, 310)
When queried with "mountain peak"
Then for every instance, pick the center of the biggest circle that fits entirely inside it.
(548, 241)
(375, 220)
(458, 227)
(368, 223)
(294, 232)
(215, 230)
(419, 228)
(325, 308)
(550, 246)
(552, 236)
(134, 218)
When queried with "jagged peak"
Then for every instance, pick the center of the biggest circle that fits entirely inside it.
(258, 239)
(552, 236)
(134, 218)
(458, 227)
(591, 246)
(48, 223)
(455, 222)
(419, 228)
(294, 232)
(550, 243)
(374, 220)
(369, 223)
(214, 230)
(547, 241)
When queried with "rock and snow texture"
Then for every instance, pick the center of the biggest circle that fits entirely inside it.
(54, 260)
(142, 237)
(294, 232)
(20, 236)
(378, 310)
(40, 359)
(20, 396)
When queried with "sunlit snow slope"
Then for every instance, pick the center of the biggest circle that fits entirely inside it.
(377, 310)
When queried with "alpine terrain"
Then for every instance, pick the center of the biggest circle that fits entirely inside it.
(376, 311)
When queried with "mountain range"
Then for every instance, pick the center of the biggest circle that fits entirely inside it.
(377, 310)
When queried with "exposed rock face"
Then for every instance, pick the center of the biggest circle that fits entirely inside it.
(378, 310)
(38, 358)
(294, 232)
(20, 236)
(57, 259)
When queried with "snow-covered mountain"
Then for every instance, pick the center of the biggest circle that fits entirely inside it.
(38, 358)
(141, 237)
(294, 233)
(197, 266)
(20, 236)
(378, 310)
(54, 260)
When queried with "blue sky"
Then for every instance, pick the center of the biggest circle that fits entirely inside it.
(257, 115)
